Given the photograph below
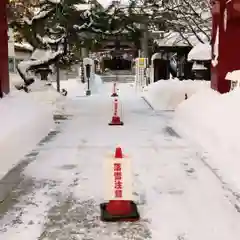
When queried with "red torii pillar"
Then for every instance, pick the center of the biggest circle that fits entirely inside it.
(225, 42)
(4, 75)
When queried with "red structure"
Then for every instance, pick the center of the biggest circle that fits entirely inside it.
(4, 75)
(119, 209)
(116, 120)
(225, 42)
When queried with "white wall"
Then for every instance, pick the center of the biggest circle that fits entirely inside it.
(22, 55)
(11, 52)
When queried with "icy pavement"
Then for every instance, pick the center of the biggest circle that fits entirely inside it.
(178, 197)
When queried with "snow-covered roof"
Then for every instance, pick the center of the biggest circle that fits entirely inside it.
(172, 38)
(198, 66)
(200, 52)
(24, 46)
(47, 40)
(82, 7)
(136, 10)
(233, 76)
(52, 1)
(42, 54)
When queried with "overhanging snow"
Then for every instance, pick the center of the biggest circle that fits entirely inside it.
(200, 52)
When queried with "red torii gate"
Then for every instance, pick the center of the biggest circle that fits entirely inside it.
(4, 75)
(225, 42)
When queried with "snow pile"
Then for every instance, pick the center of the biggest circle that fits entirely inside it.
(201, 52)
(49, 95)
(42, 93)
(14, 79)
(24, 45)
(168, 94)
(24, 124)
(97, 84)
(198, 66)
(82, 7)
(76, 88)
(212, 120)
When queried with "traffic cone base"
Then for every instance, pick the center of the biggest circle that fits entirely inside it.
(116, 121)
(130, 215)
(119, 207)
(114, 95)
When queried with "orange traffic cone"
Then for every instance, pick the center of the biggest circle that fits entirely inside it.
(116, 120)
(117, 209)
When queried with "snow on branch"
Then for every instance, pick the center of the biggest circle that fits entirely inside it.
(40, 58)
(40, 15)
(51, 1)
(83, 26)
(187, 17)
(46, 40)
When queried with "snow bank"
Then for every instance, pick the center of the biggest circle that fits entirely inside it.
(49, 96)
(97, 84)
(14, 80)
(76, 88)
(212, 120)
(42, 93)
(24, 124)
(168, 94)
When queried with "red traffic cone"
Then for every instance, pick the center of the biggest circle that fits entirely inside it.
(118, 209)
(114, 93)
(118, 153)
(116, 120)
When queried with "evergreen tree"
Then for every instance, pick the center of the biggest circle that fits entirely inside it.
(61, 26)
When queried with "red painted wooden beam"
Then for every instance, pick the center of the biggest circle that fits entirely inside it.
(4, 74)
(225, 42)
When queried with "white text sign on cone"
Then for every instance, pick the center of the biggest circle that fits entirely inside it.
(118, 179)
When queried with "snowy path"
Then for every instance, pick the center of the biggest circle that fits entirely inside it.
(179, 198)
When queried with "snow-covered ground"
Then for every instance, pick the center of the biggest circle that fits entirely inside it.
(76, 88)
(178, 197)
(168, 94)
(40, 92)
(28, 117)
(212, 120)
(208, 119)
